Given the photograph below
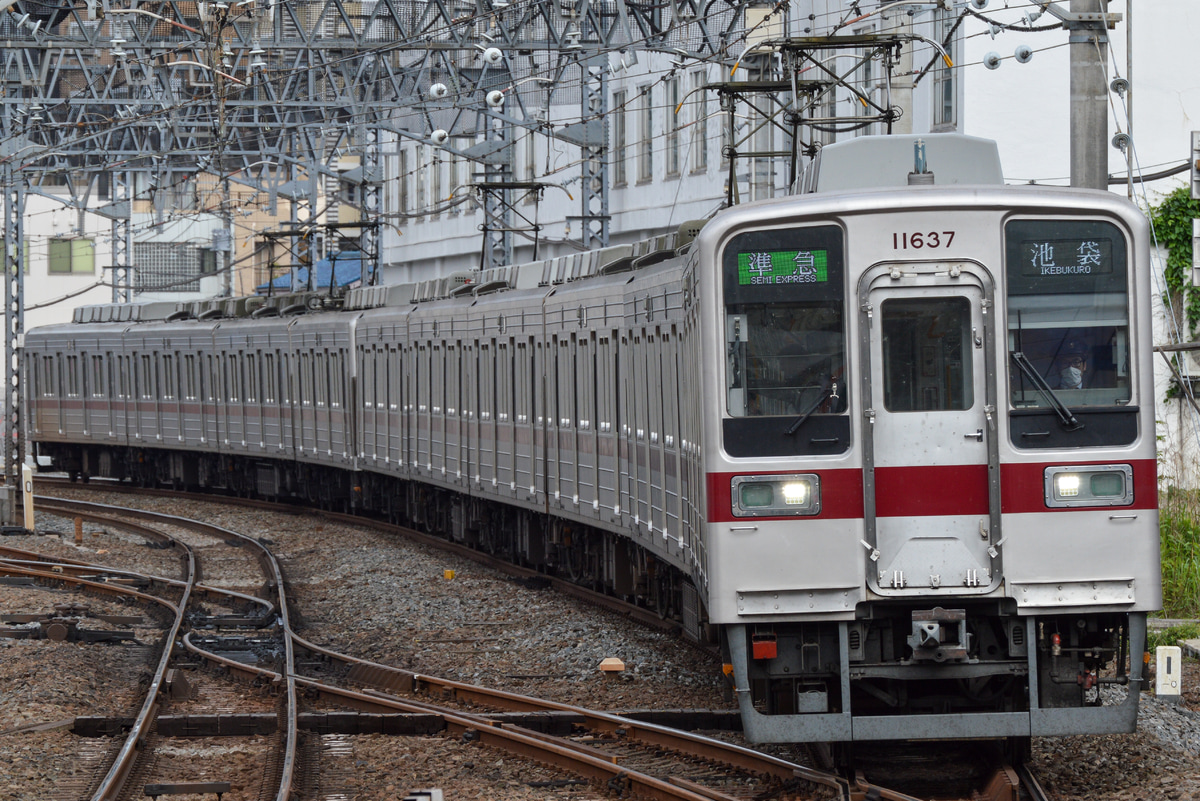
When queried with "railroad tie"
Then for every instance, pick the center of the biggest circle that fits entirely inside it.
(186, 788)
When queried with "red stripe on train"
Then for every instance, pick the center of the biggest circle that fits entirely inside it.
(934, 491)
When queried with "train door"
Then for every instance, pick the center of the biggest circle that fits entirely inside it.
(543, 418)
(210, 378)
(523, 432)
(567, 462)
(397, 408)
(639, 461)
(502, 468)
(553, 448)
(585, 400)
(482, 424)
(466, 430)
(930, 451)
(606, 438)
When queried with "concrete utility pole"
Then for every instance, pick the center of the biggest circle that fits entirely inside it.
(1089, 94)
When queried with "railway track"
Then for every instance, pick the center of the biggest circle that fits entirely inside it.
(619, 753)
(134, 767)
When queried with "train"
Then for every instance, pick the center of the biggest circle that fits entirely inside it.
(888, 440)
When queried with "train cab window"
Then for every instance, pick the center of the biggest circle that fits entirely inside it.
(924, 369)
(1068, 327)
(785, 342)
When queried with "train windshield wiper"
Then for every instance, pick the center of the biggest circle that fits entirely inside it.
(1064, 414)
(827, 393)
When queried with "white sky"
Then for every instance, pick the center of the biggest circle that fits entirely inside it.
(1026, 107)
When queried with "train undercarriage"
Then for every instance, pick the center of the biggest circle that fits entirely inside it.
(903, 671)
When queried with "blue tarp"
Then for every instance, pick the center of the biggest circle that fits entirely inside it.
(345, 268)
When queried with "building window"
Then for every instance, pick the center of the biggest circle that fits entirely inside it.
(698, 149)
(945, 88)
(646, 135)
(170, 266)
(421, 177)
(67, 256)
(529, 166)
(402, 184)
(620, 139)
(672, 86)
(208, 261)
(436, 181)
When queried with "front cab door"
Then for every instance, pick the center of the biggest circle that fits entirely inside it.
(931, 483)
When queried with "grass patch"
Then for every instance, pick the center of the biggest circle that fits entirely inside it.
(1171, 636)
(1179, 538)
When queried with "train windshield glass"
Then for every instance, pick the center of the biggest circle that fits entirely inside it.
(784, 322)
(1068, 312)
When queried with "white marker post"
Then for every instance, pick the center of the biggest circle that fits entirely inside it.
(1168, 680)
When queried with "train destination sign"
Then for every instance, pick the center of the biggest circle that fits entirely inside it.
(762, 267)
(1066, 257)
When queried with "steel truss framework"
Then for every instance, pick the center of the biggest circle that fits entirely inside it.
(272, 94)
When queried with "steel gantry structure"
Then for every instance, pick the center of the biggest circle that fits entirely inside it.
(111, 99)
(100, 97)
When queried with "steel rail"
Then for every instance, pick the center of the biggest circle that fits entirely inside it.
(62, 506)
(113, 783)
(1031, 784)
(80, 569)
(275, 577)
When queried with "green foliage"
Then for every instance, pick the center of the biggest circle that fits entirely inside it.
(1179, 539)
(1172, 220)
(1171, 636)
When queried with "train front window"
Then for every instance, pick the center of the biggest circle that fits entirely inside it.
(926, 354)
(785, 339)
(1068, 314)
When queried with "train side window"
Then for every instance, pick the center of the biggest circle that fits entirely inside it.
(147, 376)
(168, 381)
(369, 359)
(584, 398)
(452, 379)
(521, 388)
(97, 376)
(270, 378)
(1068, 313)
(502, 368)
(320, 380)
(189, 377)
(395, 369)
(252, 382)
(306, 379)
(72, 376)
(488, 381)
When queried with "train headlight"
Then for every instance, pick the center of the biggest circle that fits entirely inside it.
(1089, 485)
(776, 496)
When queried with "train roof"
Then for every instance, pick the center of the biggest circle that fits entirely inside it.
(872, 162)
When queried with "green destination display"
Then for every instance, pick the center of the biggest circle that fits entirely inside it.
(758, 268)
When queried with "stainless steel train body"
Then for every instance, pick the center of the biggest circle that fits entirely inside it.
(896, 447)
